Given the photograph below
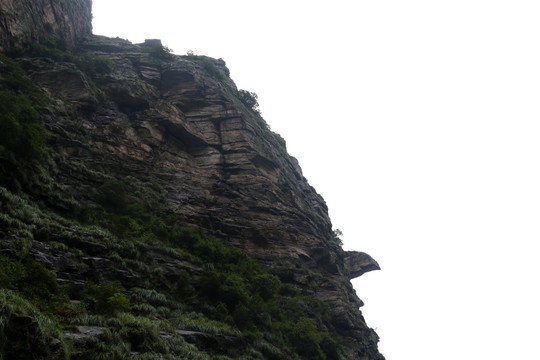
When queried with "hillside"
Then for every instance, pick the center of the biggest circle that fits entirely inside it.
(148, 211)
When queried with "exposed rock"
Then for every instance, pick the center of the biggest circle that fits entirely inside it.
(83, 332)
(23, 339)
(359, 263)
(208, 341)
(223, 170)
(37, 20)
(177, 123)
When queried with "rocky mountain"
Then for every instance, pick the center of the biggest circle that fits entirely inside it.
(148, 211)
(38, 20)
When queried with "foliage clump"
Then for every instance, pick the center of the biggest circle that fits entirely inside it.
(212, 70)
(58, 51)
(156, 49)
(33, 281)
(21, 132)
(26, 332)
(249, 99)
(107, 299)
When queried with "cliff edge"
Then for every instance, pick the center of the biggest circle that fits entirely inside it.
(153, 162)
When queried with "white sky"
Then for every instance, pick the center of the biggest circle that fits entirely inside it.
(419, 123)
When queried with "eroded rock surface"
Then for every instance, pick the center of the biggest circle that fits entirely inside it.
(37, 20)
(169, 122)
(176, 125)
(359, 263)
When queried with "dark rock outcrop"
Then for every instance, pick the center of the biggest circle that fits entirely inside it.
(359, 263)
(23, 340)
(38, 20)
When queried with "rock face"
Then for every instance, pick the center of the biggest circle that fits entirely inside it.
(359, 263)
(171, 123)
(177, 124)
(36, 20)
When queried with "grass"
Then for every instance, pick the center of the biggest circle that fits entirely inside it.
(231, 295)
(191, 280)
(14, 339)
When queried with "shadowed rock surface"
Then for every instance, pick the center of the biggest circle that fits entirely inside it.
(38, 20)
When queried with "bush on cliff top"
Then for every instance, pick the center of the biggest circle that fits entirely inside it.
(249, 99)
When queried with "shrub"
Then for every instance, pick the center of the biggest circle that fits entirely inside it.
(249, 99)
(25, 332)
(159, 51)
(33, 281)
(57, 50)
(148, 295)
(21, 131)
(117, 302)
(212, 70)
(94, 64)
(13, 77)
(267, 286)
(186, 237)
(329, 346)
(105, 298)
(112, 195)
(12, 272)
(305, 339)
(243, 317)
(47, 49)
(206, 249)
(232, 291)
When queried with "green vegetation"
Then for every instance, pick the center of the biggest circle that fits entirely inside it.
(25, 332)
(106, 299)
(116, 258)
(21, 132)
(32, 281)
(157, 50)
(209, 66)
(226, 293)
(212, 70)
(249, 99)
(58, 51)
(94, 64)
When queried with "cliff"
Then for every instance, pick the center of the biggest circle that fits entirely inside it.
(155, 167)
(22, 21)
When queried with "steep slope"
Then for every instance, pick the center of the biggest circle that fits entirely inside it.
(136, 134)
(38, 20)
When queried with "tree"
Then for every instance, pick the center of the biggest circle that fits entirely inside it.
(249, 99)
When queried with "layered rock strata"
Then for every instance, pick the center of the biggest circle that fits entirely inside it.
(37, 20)
(172, 123)
(177, 124)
